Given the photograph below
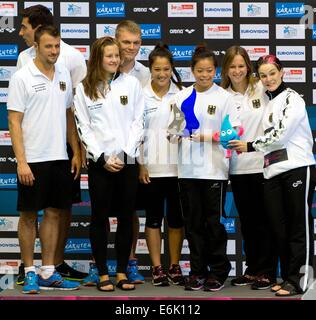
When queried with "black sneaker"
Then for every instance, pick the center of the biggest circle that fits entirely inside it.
(70, 273)
(175, 275)
(263, 282)
(194, 283)
(213, 285)
(159, 277)
(21, 276)
(243, 280)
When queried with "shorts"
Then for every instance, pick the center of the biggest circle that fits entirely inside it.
(52, 187)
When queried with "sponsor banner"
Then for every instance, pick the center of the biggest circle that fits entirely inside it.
(74, 9)
(290, 53)
(8, 8)
(9, 266)
(49, 5)
(218, 31)
(3, 95)
(5, 138)
(84, 182)
(79, 265)
(314, 225)
(181, 31)
(182, 9)
(218, 78)
(105, 30)
(146, 10)
(10, 245)
(314, 97)
(9, 223)
(314, 53)
(182, 53)
(290, 31)
(3, 115)
(232, 272)
(110, 9)
(7, 157)
(185, 247)
(254, 31)
(230, 224)
(8, 181)
(218, 9)
(185, 267)
(254, 9)
(294, 75)
(6, 73)
(144, 52)
(151, 31)
(80, 245)
(141, 247)
(142, 222)
(185, 74)
(314, 74)
(85, 50)
(289, 9)
(314, 32)
(9, 52)
(231, 247)
(255, 52)
(75, 31)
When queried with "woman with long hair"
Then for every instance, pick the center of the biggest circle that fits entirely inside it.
(109, 108)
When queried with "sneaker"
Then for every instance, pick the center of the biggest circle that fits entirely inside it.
(21, 275)
(263, 282)
(70, 273)
(175, 275)
(243, 280)
(93, 277)
(31, 283)
(194, 283)
(132, 273)
(212, 285)
(57, 282)
(159, 277)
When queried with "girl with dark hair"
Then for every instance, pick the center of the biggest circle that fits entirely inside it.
(109, 108)
(158, 173)
(246, 169)
(203, 172)
(289, 169)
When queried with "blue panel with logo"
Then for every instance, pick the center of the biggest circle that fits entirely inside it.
(289, 9)
(9, 51)
(110, 9)
(182, 53)
(151, 31)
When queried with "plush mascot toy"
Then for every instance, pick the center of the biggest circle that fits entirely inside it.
(227, 134)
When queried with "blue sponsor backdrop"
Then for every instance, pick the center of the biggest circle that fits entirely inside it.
(182, 25)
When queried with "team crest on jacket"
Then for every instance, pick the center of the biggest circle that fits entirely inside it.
(256, 103)
(62, 85)
(124, 100)
(211, 109)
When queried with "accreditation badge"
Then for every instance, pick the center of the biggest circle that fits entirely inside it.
(62, 85)
(124, 100)
(256, 103)
(211, 109)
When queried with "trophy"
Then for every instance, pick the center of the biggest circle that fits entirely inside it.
(184, 120)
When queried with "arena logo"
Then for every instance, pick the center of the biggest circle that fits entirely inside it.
(145, 10)
(8, 9)
(74, 9)
(5, 138)
(181, 31)
(292, 53)
(6, 73)
(110, 9)
(294, 75)
(182, 53)
(76, 30)
(290, 31)
(256, 52)
(218, 10)
(79, 245)
(106, 30)
(9, 51)
(8, 181)
(7, 159)
(49, 5)
(289, 10)
(144, 52)
(151, 31)
(85, 50)
(182, 9)
(216, 31)
(254, 31)
(250, 10)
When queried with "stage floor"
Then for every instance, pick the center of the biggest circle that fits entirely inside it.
(148, 292)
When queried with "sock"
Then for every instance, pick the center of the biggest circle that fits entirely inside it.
(28, 269)
(47, 271)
